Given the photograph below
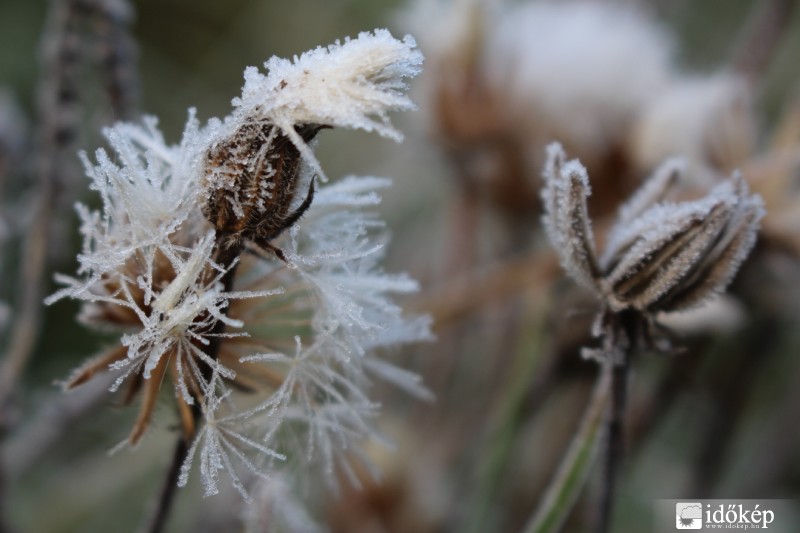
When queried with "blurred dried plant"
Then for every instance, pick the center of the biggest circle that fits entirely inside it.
(659, 257)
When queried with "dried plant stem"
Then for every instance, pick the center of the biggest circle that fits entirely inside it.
(521, 375)
(574, 469)
(167, 494)
(627, 325)
(28, 315)
(59, 114)
(227, 258)
(760, 37)
(615, 445)
(56, 129)
(118, 56)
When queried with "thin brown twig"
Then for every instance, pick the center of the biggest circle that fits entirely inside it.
(56, 127)
(59, 112)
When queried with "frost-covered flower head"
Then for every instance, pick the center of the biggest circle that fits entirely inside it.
(659, 256)
(225, 277)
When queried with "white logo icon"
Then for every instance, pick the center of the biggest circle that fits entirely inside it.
(689, 516)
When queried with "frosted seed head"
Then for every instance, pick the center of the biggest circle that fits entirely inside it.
(351, 84)
(251, 179)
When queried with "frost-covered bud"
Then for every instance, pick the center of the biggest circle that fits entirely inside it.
(251, 179)
(660, 256)
(254, 161)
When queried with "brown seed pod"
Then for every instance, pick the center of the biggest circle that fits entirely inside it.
(251, 181)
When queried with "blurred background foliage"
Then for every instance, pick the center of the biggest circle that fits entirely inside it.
(720, 421)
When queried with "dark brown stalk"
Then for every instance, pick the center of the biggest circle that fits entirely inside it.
(167, 493)
(627, 326)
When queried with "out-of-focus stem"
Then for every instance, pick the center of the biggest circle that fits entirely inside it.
(615, 445)
(576, 465)
(166, 495)
(760, 37)
(627, 323)
(118, 56)
(59, 114)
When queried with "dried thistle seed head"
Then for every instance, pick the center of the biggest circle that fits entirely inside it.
(660, 256)
(251, 179)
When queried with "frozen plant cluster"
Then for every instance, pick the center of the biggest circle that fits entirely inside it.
(301, 321)
(660, 255)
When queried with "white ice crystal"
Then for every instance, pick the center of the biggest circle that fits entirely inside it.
(148, 193)
(151, 266)
(351, 84)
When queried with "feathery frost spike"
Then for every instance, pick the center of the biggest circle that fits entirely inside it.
(350, 84)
